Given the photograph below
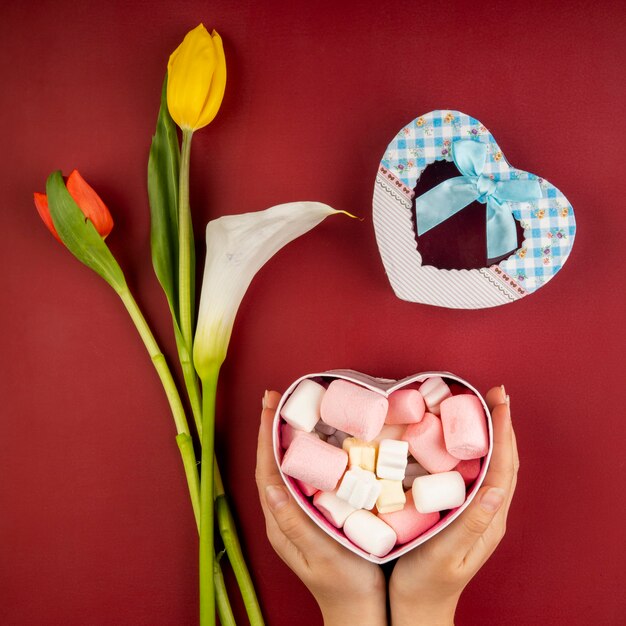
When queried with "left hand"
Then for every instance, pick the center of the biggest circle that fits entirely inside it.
(347, 588)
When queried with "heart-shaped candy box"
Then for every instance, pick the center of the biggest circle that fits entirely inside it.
(385, 387)
(546, 216)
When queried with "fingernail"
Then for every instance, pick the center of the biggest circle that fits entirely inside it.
(503, 390)
(276, 497)
(492, 500)
(508, 401)
(264, 400)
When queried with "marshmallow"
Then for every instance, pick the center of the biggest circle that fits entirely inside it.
(354, 409)
(392, 459)
(337, 438)
(370, 533)
(409, 523)
(464, 427)
(427, 445)
(438, 492)
(434, 391)
(288, 433)
(391, 497)
(412, 471)
(307, 490)
(314, 462)
(406, 406)
(334, 509)
(333, 441)
(325, 429)
(390, 431)
(469, 470)
(302, 409)
(359, 488)
(360, 453)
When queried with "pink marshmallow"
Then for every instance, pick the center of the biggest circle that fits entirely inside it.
(288, 433)
(469, 470)
(427, 445)
(314, 462)
(409, 523)
(354, 409)
(434, 390)
(464, 427)
(406, 406)
(307, 490)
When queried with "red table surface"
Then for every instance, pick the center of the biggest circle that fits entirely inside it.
(95, 525)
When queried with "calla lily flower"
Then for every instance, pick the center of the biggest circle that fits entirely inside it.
(88, 201)
(237, 247)
(196, 79)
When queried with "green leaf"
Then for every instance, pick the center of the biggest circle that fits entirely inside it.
(163, 172)
(79, 234)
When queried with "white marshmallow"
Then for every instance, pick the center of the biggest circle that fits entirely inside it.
(435, 391)
(437, 492)
(391, 496)
(324, 428)
(370, 533)
(334, 509)
(359, 488)
(392, 458)
(302, 409)
(412, 471)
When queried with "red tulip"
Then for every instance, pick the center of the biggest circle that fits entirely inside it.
(87, 200)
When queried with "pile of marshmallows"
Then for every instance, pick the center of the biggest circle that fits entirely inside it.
(355, 452)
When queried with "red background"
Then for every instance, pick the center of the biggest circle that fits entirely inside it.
(95, 526)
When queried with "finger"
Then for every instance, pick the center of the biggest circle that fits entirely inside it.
(495, 396)
(483, 548)
(284, 517)
(501, 467)
(266, 469)
(460, 536)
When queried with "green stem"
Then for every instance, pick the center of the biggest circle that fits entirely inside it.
(207, 596)
(185, 242)
(184, 442)
(191, 382)
(224, 609)
(228, 531)
(185, 445)
(158, 360)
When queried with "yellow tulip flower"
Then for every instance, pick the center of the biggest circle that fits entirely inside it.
(196, 79)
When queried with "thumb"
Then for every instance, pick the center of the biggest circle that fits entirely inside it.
(292, 520)
(460, 536)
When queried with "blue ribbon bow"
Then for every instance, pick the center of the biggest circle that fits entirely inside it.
(454, 194)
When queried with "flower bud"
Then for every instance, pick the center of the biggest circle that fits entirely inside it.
(196, 79)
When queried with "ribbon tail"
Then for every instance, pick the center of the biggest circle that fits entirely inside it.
(442, 202)
(501, 232)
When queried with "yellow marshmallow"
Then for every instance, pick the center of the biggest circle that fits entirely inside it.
(360, 453)
(391, 496)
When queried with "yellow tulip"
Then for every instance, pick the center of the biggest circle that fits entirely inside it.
(196, 79)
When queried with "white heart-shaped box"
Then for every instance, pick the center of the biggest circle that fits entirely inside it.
(385, 387)
(548, 222)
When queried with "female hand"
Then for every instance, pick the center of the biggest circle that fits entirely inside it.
(348, 589)
(427, 582)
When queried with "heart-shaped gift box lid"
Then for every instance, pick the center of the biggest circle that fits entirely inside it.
(385, 387)
(547, 219)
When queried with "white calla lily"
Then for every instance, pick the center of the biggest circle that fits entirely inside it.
(237, 247)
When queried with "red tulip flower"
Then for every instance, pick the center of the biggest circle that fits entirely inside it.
(87, 200)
